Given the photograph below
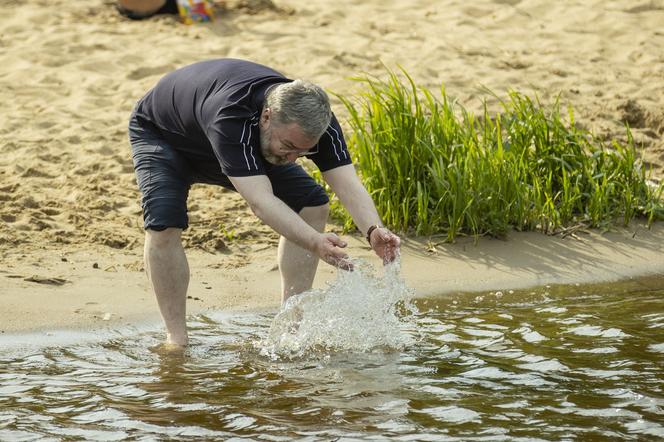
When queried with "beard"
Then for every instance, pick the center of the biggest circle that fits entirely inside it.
(265, 139)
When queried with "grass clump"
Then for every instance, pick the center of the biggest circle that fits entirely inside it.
(434, 168)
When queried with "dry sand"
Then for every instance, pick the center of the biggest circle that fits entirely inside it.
(70, 72)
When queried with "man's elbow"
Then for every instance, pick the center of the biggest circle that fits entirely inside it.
(257, 207)
(263, 206)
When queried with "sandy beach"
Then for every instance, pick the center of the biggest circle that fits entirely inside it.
(70, 72)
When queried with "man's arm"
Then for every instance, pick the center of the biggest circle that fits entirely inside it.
(257, 191)
(346, 184)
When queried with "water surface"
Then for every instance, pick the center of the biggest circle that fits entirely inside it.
(564, 363)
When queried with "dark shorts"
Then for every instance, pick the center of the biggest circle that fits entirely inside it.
(164, 177)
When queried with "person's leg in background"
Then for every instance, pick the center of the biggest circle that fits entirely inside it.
(141, 9)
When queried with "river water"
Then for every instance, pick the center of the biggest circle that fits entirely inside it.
(355, 361)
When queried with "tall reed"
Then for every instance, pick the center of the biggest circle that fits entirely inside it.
(434, 168)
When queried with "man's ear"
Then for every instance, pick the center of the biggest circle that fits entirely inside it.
(266, 116)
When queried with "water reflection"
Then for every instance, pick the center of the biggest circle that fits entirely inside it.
(550, 364)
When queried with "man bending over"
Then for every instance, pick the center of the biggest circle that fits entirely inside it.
(242, 125)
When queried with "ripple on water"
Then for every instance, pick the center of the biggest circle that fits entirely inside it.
(544, 366)
(598, 350)
(530, 335)
(451, 414)
(598, 332)
(656, 348)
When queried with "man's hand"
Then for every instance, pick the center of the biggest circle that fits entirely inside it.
(345, 183)
(329, 249)
(385, 243)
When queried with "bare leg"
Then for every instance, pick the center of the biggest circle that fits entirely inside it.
(168, 271)
(142, 6)
(298, 265)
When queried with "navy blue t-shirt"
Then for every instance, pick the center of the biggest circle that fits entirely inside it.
(209, 112)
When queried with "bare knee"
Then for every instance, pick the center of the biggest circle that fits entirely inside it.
(163, 238)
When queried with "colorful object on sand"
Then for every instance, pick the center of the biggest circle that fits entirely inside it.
(195, 11)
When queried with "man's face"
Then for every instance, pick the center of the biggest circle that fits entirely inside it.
(283, 143)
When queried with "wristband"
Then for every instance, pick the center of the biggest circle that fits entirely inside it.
(371, 229)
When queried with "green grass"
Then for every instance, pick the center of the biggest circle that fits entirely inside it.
(434, 168)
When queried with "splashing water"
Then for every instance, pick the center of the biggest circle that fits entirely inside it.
(357, 312)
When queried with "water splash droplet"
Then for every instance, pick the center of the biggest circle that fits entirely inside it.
(357, 312)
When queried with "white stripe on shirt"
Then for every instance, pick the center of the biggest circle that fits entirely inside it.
(334, 145)
(251, 151)
(244, 145)
(247, 143)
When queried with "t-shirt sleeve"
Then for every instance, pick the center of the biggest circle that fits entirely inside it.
(234, 142)
(331, 150)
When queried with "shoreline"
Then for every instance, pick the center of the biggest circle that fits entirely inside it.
(105, 289)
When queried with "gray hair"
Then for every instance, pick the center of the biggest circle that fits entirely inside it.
(303, 103)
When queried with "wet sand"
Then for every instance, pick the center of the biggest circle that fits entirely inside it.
(103, 288)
